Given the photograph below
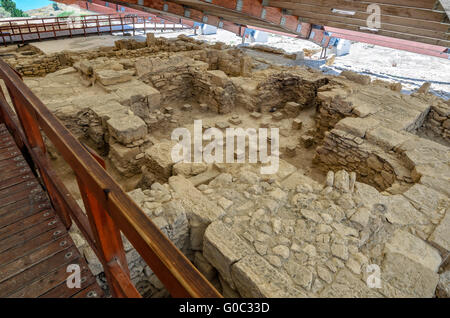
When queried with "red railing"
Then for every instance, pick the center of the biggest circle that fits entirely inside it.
(109, 210)
(22, 30)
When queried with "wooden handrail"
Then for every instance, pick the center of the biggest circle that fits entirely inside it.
(10, 28)
(107, 205)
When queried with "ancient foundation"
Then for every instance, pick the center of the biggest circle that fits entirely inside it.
(363, 182)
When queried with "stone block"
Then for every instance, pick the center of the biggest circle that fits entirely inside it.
(356, 126)
(297, 124)
(222, 248)
(441, 235)
(292, 109)
(254, 277)
(110, 77)
(200, 210)
(127, 129)
(348, 285)
(138, 90)
(402, 277)
(385, 138)
(357, 78)
(218, 78)
(159, 160)
(414, 248)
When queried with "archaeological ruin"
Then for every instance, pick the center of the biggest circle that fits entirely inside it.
(362, 186)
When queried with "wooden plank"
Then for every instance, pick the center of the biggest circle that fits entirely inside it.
(23, 195)
(303, 9)
(25, 223)
(36, 255)
(36, 272)
(400, 11)
(62, 291)
(21, 177)
(92, 291)
(30, 233)
(7, 155)
(5, 165)
(51, 281)
(382, 32)
(416, 30)
(27, 187)
(14, 171)
(21, 209)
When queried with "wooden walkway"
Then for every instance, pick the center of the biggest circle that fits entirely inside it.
(35, 248)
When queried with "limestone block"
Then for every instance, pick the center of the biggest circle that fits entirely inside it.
(159, 159)
(414, 248)
(204, 266)
(342, 181)
(86, 68)
(137, 90)
(357, 78)
(402, 277)
(218, 78)
(443, 288)
(356, 126)
(110, 77)
(441, 235)
(222, 248)
(254, 277)
(427, 200)
(385, 138)
(105, 111)
(127, 129)
(400, 211)
(200, 211)
(177, 221)
(151, 40)
(292, 109)
(437, 184)
(123, 155)
(424, 88)
(348, 285)
(297, 124)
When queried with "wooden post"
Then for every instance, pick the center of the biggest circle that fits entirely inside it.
(29, 123)
(110, 25)
(145, 25)
(98, 29)
(11, 33)
(53, 28)
(28, 25)
(3, 37)
(21, 35)
(69, 26)
(106, 234)
(83, 21)
(134, 27)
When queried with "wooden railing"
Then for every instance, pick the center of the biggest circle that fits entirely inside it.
(22, 30)
(109, 210)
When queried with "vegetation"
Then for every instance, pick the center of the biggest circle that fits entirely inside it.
(70, 14)
(66, 14)
(55, 6)
(4, 13)
(10, 6)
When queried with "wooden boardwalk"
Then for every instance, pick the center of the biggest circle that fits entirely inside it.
(35, 247)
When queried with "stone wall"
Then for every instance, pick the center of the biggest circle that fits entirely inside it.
(438, 122)
(41, 65)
